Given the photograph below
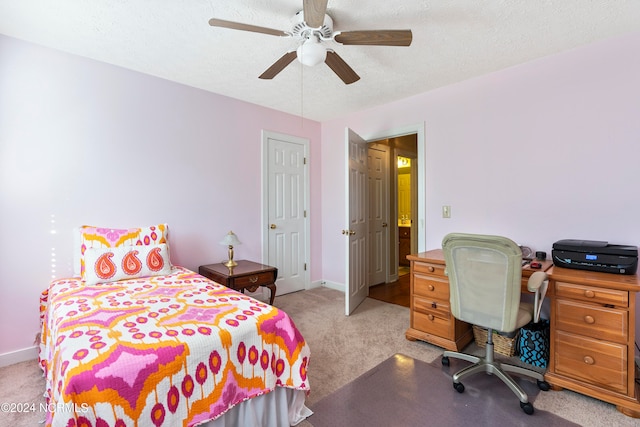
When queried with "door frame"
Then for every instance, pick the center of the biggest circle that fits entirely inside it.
(265, 136)
(419, 130)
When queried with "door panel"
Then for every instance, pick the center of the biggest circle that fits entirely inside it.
(357, 288)
(378, 166)
(286, 213)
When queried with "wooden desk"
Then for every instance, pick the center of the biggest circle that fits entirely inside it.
(592, 343)
(430, 316)
(246, 275)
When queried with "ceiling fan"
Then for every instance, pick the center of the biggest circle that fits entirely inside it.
(312, 27)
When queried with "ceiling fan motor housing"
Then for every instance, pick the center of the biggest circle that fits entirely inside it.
(302, 30)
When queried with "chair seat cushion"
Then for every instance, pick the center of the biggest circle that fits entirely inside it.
(525, 314)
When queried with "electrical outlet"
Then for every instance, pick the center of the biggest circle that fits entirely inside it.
(446, 211)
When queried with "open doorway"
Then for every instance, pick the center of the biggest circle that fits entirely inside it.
(357, 283)
(401, 202)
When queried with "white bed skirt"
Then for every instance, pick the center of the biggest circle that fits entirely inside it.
(282, 407)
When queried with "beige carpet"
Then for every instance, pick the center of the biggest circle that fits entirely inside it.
(342, 348)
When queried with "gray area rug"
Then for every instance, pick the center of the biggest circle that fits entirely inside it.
(402, 391)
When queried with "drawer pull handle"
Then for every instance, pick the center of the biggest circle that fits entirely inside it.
(431, 288)
(431, 269)
(589, 319)
(434, 305)
(253, 279)
(588, 360)
(589, 294)
(430, 317)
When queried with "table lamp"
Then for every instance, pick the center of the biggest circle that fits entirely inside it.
(230, 240)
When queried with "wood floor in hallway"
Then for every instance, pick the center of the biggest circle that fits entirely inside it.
(395, 292)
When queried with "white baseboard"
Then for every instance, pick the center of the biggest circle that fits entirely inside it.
(333, 285)
(18, 356)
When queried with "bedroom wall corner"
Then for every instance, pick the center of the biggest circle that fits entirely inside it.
(84, 142)
(13, 357)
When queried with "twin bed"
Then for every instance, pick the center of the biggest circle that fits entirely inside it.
(162, 345)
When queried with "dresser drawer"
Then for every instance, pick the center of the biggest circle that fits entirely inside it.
(592, 294)
(592, 320)
(432, 324)
(601, 363)
(427, 306)
(431, 269)
(431, 287)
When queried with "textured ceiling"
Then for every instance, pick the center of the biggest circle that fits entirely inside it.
(453, 40)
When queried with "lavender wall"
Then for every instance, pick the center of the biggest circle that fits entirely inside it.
(82, 142)
(539, 152)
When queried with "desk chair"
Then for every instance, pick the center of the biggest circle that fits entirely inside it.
(485, 273)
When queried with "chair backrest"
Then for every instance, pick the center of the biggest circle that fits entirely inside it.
(485, 273)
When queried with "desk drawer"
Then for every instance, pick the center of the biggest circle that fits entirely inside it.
(601, 363)
(431, 287)
(427, 306)
(592, 294)
(253, 279)
(592, 320)
(427, 268)
(432, 324)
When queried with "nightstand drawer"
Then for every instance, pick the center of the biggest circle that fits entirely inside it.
(592, 294)
(592, 320)
(253, 279)
(601, 363)
(431, 287)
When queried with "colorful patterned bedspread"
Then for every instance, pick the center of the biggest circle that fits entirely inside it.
(161, 351)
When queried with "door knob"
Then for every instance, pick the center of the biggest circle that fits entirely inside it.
(351, 232)
(384, 224)
(272, 226)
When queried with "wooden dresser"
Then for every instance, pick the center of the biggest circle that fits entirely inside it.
(593, 319)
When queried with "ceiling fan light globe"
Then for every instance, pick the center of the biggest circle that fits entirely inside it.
(311, 53)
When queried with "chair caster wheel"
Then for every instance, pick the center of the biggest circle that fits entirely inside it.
(445, 361)
(527, 408)
(459, 387)
(543, 385)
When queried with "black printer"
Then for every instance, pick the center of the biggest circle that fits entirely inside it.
(595, 256)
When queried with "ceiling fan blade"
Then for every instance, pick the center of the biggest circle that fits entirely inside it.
(245, 27)
(278, 66)
(375, 37)
(341, 68)
(314, 11)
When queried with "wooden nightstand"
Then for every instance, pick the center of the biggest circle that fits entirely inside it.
(245, 275)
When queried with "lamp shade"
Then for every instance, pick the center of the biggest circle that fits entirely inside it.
(311, 52)
(230, 239)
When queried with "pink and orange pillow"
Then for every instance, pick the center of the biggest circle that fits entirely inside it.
(125, 262)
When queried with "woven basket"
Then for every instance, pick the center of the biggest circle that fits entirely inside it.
(501, 344)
